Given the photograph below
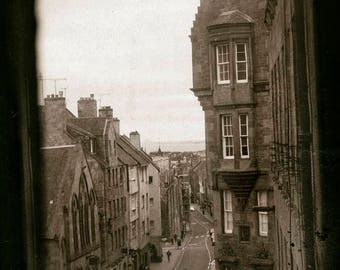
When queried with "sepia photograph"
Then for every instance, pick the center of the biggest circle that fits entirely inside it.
(181, 135)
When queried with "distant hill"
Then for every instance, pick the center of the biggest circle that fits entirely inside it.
(174, 146)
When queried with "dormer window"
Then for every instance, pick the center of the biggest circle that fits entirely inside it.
(223, 63)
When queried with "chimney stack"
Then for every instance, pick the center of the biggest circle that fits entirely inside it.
(87, 107)
(54, 120)
(106, 112)
(116, 125)
(135, 139)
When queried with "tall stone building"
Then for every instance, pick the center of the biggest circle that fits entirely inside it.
(230, 80)
(99, 133)
(305, 147)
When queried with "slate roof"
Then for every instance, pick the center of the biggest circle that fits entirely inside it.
(74, 129)
(132, 151)
(58, 176)
(94, 125)
(124, 157)
(232, 17)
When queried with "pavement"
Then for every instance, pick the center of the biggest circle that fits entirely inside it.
(176, 254)
(206, 213)
(196, 252)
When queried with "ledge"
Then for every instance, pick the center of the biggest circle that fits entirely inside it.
(261, 86)
(261, 262)
(201, 92)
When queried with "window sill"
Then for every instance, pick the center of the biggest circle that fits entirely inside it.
(263, 208)
(223, 82)
(263, 235)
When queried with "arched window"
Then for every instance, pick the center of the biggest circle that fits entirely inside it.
(83, 212)
(93, 220)
(75, 211)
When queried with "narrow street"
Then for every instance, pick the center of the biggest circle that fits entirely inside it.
(197, 252)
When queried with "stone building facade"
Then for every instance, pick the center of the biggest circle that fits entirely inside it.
(230, 80)
(305, 150)
(99, 134)
(71, 231)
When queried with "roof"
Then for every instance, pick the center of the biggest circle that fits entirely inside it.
(59, 165)
(74, 129)
(199, 164)
(94, 125)
(232, 17)
(124, 157)
(132, 151)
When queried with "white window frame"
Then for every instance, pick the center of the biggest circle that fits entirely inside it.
(262, 200)
(228, 211)
(241, 61)
(225, 64)
(229, 136)
(244, 135)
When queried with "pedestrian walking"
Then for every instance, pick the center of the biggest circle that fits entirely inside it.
(175, 237)
(179, 243)
(169, 255)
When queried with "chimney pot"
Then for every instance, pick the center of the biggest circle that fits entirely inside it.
(60, 93)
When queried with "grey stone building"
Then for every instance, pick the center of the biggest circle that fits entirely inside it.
(230, 80)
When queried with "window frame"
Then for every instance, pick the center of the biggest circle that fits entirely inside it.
(263, 215)
(242, 135)
(240, 62)
(228, 212)
(225, 137)
(225, 63)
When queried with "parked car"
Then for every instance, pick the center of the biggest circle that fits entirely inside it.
(192, 208)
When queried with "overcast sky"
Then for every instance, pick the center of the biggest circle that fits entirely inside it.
(133, 55)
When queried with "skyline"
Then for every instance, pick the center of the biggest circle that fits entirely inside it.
(133, 56)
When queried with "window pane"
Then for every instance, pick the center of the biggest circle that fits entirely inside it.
(241, 67)
(243, 119)
(244, 151)
(244, 141)
(243, 130)
(242, 75)
(240, 47)
(241, 56)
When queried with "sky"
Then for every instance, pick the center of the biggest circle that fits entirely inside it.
(132, 55)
